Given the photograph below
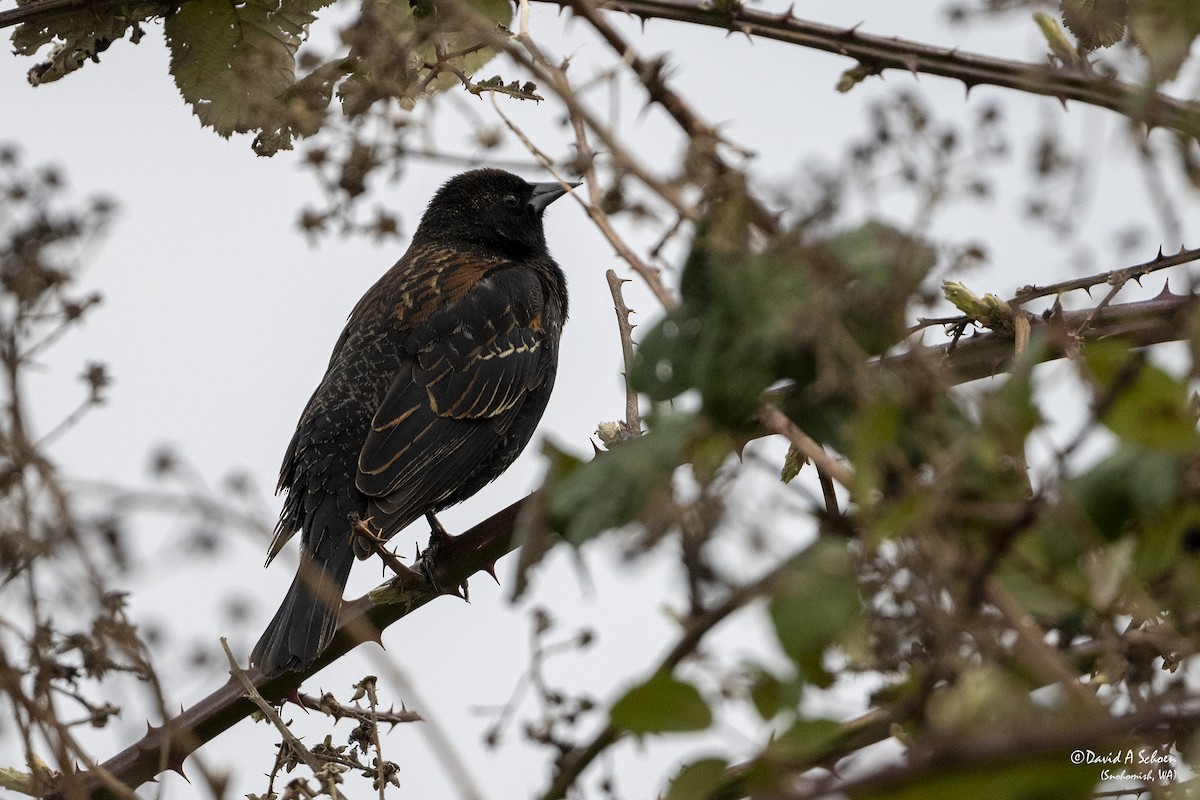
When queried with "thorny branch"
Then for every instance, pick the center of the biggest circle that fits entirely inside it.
(876, 53)
(984, 355)
(294, 745)
(1116, 278)
(633, 418)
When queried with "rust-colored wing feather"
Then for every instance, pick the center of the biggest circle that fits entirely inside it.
(471, 367)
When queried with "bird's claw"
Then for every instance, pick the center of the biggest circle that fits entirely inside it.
(427, 561)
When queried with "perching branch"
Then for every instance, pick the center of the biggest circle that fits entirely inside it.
(167, 746)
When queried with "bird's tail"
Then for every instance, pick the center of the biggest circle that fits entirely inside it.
(305, 623)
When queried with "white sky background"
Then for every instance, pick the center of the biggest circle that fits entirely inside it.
(219, 317)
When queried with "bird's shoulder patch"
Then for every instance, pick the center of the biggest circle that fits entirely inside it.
(432, 278)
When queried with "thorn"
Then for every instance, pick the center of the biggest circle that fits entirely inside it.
(490, 569)
(293, 696)
(176, 765)
(1166, 290)
(852, 31)
(1159, 257)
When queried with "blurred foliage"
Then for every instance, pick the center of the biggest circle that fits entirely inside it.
(70, 649)
(236, 65)
(925, 577)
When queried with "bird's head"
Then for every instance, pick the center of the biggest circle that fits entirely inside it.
(493, 208)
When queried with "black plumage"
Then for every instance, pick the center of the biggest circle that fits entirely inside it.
(435, 386)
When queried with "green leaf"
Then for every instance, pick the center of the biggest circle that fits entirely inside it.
(883, 267)
(805, 742)
(1165, 31)
(233, 62)
(393, 40)
(617, 486)
(1143, 404)
(771, 694)
(793, 462)
(1043, 599)
(874, 443)
(815, 603)
(1095, 23)
(1162, 540)
(1127, 485)
(662, 704)
(698, 780)
(1059, 45)
(79, 37)
(1008, 414)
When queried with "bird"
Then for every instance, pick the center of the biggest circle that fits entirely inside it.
(435, 386)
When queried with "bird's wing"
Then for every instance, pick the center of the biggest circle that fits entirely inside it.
(472, 364)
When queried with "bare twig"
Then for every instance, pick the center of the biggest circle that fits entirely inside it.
(775, 421)
(633, 418)
(294, 745)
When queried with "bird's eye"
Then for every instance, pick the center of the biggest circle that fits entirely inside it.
(511, 200)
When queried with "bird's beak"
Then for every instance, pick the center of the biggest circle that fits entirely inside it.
(546, 193)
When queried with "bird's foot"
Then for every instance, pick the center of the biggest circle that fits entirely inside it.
(439, 541)
(361, 531)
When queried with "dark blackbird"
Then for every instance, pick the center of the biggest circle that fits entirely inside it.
(434, 387)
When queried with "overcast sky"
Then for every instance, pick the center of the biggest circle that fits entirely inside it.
(219, 316)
